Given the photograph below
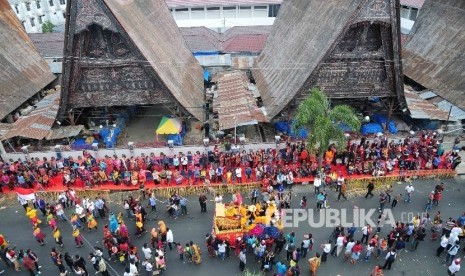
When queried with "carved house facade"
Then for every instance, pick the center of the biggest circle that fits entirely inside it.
(354, 56)
(110, 63)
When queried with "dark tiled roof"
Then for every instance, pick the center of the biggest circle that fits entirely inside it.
(49, 45)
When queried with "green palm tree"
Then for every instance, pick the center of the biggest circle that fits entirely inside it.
(316, 114)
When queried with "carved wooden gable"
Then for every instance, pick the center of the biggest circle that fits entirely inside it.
(106, 68)
(360, 63)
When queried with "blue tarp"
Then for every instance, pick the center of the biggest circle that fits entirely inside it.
(110, 135)
(212, 53)
(206, 75)
(392, 127)
(371, 128)
(177, 139)
(283, 127)
(382, 119)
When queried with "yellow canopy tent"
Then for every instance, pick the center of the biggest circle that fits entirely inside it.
(169, 126)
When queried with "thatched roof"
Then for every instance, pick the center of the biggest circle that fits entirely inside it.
(304, 35)
(435, 55)
(23, 72)
(157, 36)
(153, 64)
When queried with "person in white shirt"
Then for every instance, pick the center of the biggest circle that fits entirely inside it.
(147, 252)
(169, 238)
(218, 198)
(409, 190)
(148, 266)
(339, 181)
(456, 231)
(317, 184)
(339, 244)
(222, 250)
(454, 267)
(239, 174)
(349, 247)
(133, 268)
(442, 246)
(452, 252)
(326, 249)
(80, 213)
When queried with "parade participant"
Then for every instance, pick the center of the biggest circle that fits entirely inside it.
(314, 263)
(77, 237)
(79, 262)
(57, 236)
(37, 233)
(196, 254)
(91, 222)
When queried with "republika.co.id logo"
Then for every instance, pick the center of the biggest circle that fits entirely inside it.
(335, 217)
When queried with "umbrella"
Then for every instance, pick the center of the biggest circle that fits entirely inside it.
(168, 126)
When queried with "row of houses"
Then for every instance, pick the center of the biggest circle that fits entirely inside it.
(215, 14)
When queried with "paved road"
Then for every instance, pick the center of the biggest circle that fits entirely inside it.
(15, 226)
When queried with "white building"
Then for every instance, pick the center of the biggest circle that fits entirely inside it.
(33, 13)
(214, 14)
(224, 14)
(409, 10)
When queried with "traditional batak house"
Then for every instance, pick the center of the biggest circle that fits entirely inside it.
(348, 48)
(128, 52)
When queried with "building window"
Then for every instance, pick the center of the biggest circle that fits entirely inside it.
(40, 19)
(197, 13)
(229, 12)
(28, 6)
(273, 10)
(213, 13)
(408, 12)
(64, 15)
(181, 13)
(413, 14)
(24, 24)
(51, 3)
(33, 22)
(260, 11)
(62, 2)
(38, 4)
(16, 9)
(245, 11)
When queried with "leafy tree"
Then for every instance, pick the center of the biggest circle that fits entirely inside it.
(47, 27)
(316, 114)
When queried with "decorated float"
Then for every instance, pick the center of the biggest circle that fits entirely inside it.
(231, 221)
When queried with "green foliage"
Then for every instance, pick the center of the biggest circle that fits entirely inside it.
(47, 27)
(316, 115)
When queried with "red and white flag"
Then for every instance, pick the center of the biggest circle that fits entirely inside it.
(25, 194)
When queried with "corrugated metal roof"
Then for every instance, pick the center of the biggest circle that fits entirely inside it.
(427, 95)
(23, 72)
(196, 3)
(64, 132)
(457, 113)
(422, 109)
(38, 124)
(234, 103)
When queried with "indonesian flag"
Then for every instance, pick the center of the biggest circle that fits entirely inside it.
(25, 194)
